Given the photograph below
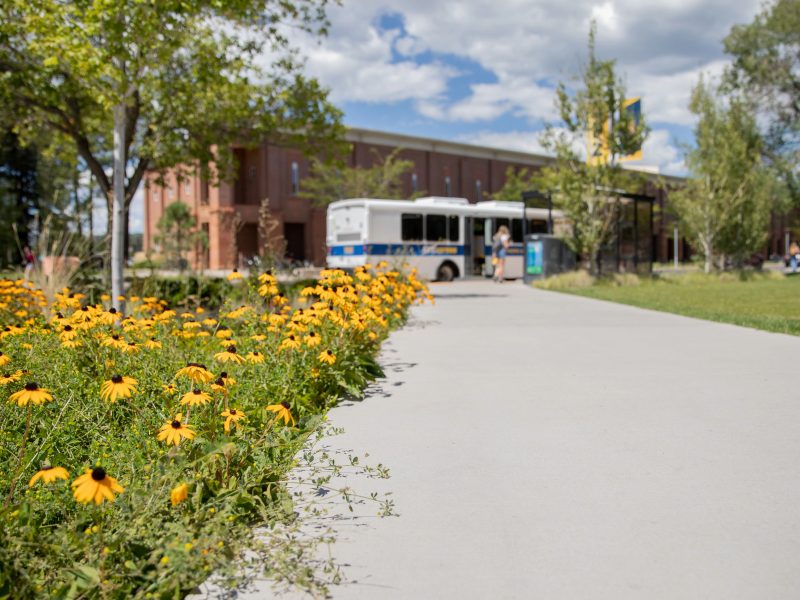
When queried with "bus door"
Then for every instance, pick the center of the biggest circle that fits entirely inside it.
(486, 242)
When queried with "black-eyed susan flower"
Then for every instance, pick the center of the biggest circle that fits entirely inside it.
(282, 411)
(231, 416)
(290, 343)
(119, 386)
(30, 393)
(152, 344)
(327, 356)
(312, 339)
(4, 359)
(169, 388)
(129, 348)
(7, 378)
(95, 485)
(255, 357)
(229, 355)
(196, 397)
(234, 275)
(178, 494)
(219, 386)
(114, 341)
(196, 372)
(229, 381)
(49, 474)
(258, 337)
(173, 431)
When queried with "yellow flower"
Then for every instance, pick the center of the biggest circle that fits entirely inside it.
(290, 343)
(169, 388)
(231, 416)
(173, 431)
(259, 337)
(312, 339)
(255, 357)
(195, 398)
(152, 344)
(114, 341)
(95, 485)
(227, 379)
(234, 275)
(229, 355)
(179, 494)
(49, 475)
(31, 393)
(327, 356)
(10, 377)
(196, 372)
(4, 359)
(119, 386)
(282, 411)
(129, 348)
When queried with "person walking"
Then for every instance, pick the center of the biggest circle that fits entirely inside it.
(29, 260)
(794, 256)
(502, 239)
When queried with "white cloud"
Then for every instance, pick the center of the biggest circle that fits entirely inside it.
(527, 45)
(659, 150)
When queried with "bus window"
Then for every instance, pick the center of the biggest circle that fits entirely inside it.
(516, 230)
(537, 226)
(411, 227)
(435, 228)
(499, 222)
(452, 229)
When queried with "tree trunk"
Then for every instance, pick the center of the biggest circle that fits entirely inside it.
(118, 209)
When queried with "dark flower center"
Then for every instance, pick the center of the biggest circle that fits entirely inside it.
(291, 337)
(329, 353)
(192, 365)
(176, 424)
(236, 270)
(312, 334)
(59, 315)
(31, 386)
(98, 473)
(285, 405)
(152, 339)
(231, 349)
(232, 411)
(116, 379)
(115, 337)
(113, 311)
(46, 468)
(255, 353)
(196, 392)
(220, 381)
(85, 308)
(223, 375)
(72, 295)
(67, 327)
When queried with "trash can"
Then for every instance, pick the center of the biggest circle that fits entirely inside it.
(546, 255)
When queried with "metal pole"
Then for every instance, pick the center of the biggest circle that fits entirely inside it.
(675, 247)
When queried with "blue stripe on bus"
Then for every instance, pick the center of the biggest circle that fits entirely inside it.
(399, 249)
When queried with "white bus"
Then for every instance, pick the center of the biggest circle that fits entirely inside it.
(444, 238)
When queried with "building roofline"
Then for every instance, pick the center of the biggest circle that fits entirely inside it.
(413, 142)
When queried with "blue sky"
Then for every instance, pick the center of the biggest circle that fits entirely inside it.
(484, 71)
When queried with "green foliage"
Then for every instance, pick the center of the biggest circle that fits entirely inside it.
(517, 181)
(330, 181)
(585, 190)
(766, 67)
(143, 544)
(764, 301)
(179, 80)
(725, 205)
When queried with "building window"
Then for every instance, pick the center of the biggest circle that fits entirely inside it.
(154, 194)
(187, 189)
(295, 178)
(448, 190)
(170, 192)
(251, 172)
(478, 190)
(414, 182)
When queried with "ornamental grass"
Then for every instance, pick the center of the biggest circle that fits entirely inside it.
(139, 450)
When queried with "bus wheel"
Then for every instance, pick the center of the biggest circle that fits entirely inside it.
(446, 272)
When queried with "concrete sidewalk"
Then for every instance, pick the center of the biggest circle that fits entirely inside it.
(549, 446)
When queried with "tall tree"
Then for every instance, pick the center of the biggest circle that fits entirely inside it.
(586, 188)
(726, 202)
(766, 67)
(330, 181)
(152, 85)
(178, 234)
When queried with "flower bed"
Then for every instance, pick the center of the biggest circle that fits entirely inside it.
(138, 451)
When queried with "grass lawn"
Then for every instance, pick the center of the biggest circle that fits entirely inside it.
(768, 304)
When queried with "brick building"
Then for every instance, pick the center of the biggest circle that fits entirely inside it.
(229, 214)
